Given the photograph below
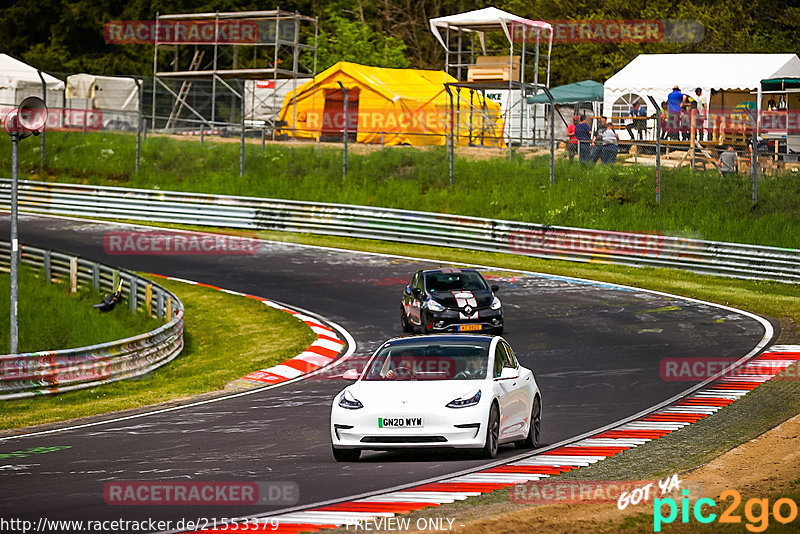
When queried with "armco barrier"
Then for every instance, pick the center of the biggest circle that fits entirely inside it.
(37, 373)
(573, 244)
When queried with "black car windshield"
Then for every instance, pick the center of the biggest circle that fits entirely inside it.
(457, 361)
(458, 281)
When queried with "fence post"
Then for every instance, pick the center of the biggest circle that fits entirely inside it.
(202, 132)
(148, 300)
(241, 153)
(96, 277)
(450, 146)
(159, 304)
(754, 155)
(73, 274)
(132, 286)
(552, 133)
(48, 266)
(139, 121)
(263, 139)
(346, 120)
(658, 149)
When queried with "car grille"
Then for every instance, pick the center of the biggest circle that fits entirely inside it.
(403, 439)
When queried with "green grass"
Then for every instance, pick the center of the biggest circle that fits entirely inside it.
(52, 318)
(697, 205)
(226, 337)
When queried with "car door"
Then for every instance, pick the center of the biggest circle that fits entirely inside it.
(414, 299)
(506, 387)
(522, 397)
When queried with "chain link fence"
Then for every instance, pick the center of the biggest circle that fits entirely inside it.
(566, 142)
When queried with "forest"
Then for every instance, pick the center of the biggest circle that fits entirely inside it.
(62, 36)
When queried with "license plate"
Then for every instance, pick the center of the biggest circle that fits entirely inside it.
(469, 327)
(399, 422)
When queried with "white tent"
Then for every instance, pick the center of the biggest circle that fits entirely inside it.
(19, 80)
(483, 20)
(102, 92)
(656, 74)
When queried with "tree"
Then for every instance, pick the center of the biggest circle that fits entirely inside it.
(347, 40)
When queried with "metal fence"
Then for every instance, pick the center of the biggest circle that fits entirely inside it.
(551, 242)
(43, 372)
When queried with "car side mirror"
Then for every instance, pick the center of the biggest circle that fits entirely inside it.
(350, 374)
(495, 288)
(417, 292)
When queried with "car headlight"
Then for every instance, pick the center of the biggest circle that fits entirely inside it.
(465, 401)
(434, 306)
(348, 402)
(496, 304)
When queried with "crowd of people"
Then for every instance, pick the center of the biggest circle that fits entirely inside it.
(602, 146)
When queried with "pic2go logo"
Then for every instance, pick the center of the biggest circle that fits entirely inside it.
(756, 511)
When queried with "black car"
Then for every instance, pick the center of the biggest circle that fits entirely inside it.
(450, 300)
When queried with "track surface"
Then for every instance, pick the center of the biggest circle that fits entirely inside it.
(595, 351)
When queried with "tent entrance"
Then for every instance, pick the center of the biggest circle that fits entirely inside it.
(333, 119)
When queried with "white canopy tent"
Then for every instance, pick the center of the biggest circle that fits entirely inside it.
(19, 80)
(656, 74)
(490, 19)
(102, 92)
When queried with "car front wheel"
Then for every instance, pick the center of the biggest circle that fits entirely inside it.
(492, 433)
(346, 455)
(406, 326)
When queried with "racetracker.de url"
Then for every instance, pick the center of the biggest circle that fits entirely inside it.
(24, 526)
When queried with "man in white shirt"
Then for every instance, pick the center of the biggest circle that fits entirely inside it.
(700, 114)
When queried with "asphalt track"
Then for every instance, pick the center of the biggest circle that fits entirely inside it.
(595, 350)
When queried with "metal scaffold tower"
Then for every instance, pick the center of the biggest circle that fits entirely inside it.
(225, 51)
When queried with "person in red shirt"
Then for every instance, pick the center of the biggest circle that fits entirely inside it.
(572, 141)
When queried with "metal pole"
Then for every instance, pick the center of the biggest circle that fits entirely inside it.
(241, 121)
(552, 134)
(658, 149)
(14, 259)
(138, 124)
(44, 99)
(344, 136)
(451, 137)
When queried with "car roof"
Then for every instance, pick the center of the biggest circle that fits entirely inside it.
(442, 339)
(447, 270)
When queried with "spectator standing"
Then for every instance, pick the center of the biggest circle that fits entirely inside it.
(675, 102)
(584, 136)
(640, 124)
(610, 146)
(728, 162)
(700, 117)
(572, 141)
(597, 140)
(662, 117)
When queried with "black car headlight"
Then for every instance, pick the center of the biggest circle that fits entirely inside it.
(348, 402)
(464, 402)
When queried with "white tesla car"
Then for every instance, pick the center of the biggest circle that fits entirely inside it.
(461, 391)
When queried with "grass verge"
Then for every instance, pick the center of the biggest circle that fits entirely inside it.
(612, 197)
(52, 318)
(226, 337)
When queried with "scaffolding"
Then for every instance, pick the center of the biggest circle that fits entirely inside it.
(457, 34)
(226, 49)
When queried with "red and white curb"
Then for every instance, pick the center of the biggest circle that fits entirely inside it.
(586, 451)
(326, 348)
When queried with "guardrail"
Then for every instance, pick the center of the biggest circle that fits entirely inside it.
(551, 242)
(37, 373)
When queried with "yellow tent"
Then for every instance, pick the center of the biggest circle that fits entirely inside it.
(393, 106)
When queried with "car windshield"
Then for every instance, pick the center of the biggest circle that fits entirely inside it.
(457, 361)
(460, 281)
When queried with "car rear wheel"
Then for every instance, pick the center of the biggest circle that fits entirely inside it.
(346, 455)
(531, 441)
(407, 327)
(492, 433)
